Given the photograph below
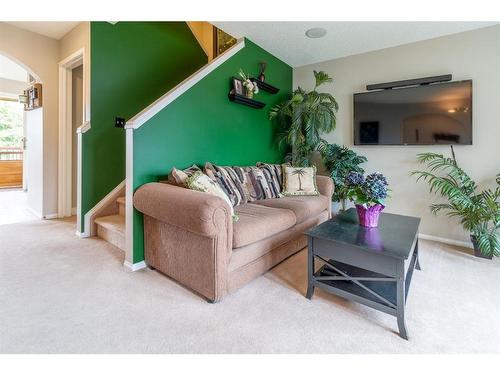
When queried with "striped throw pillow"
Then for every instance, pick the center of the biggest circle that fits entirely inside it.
(232, 181)
(257, 185)
(274, 177)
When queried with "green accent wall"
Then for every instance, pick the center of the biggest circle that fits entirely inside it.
(132, 64)
(203, 125)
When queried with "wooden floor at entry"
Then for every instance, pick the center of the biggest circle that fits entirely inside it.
(11, 167)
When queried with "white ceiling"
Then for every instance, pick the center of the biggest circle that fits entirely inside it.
(54, 30)
(287, 40)
(11, 70)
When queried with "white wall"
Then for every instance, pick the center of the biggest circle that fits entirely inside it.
(470, 55)
(33, 161)
(40, 55)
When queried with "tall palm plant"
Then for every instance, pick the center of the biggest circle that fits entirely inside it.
(304, 118)
(478, 211)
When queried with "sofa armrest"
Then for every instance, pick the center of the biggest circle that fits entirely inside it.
(325, 185)
(195, 211)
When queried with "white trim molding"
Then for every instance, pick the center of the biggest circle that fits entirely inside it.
(65, 149)
(447, 241)
(143, 116)
(129, 195)
(85, 127)
(135, 266)
(79, 176)
(110, 198)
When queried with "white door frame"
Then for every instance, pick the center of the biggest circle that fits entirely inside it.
(65, 149)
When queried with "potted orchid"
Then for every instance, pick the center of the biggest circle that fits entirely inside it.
(251, 87)
(368, 195)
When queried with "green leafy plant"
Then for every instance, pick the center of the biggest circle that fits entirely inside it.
(478, 211)
(304, 118)
(367, 191)
(340, 161)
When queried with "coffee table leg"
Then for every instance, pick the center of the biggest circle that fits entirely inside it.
(400, 298)
(310, 268)
(417, 263)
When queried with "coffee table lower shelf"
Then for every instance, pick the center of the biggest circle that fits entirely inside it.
(379, 294)
(369, 288)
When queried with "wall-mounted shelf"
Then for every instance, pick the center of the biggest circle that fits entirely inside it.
(246, 101)
(265, 86)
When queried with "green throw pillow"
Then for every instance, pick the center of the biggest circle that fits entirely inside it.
(201, 182)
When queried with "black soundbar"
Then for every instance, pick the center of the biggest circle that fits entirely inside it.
(409, 82)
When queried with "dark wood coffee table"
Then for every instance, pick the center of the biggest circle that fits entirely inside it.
(372, 266)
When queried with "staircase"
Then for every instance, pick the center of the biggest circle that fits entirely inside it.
(111, 228)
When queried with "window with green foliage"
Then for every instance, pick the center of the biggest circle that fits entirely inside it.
(11, 123)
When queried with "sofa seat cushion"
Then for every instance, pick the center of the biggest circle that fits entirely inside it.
(257, 222)
(304, 207)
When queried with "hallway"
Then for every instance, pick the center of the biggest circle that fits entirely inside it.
(14, 207)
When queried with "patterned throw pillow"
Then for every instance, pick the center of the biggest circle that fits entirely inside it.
(299, 181)
(231, 180)
(257, 185)
(201, 182)
(274, 178)
(178, 177)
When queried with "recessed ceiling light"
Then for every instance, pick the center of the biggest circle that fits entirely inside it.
(316, 32)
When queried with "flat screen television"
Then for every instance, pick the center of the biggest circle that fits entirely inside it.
(417, 115)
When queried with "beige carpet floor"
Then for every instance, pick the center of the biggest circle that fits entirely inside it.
(61, 294)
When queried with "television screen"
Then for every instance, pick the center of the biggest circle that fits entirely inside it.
(418, 115)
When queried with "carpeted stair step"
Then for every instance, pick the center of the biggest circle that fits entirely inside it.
(121, 205)
(112, 229)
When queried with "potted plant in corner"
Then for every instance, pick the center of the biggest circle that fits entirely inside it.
(304, 118)
(478, 211)
(368, 195)
(340, 161)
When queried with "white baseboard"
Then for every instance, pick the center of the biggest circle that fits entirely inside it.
(135, 266)
(82, 234)
(448, 241)
(51, 216)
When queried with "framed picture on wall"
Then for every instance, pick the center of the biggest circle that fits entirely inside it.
(222, 41)
(237, 86)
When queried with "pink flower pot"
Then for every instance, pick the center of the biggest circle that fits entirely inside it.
(368, 217)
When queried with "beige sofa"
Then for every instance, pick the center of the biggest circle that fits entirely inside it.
(191, 237)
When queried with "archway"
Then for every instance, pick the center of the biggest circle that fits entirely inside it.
(20, 177)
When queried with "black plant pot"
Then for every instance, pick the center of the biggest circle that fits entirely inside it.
(478, 252)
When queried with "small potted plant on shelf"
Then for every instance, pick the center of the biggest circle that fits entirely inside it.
(478, 211)
(368, 195)
(251, 87)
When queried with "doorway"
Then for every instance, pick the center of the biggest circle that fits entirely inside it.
(14, 200)
(71, 117)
